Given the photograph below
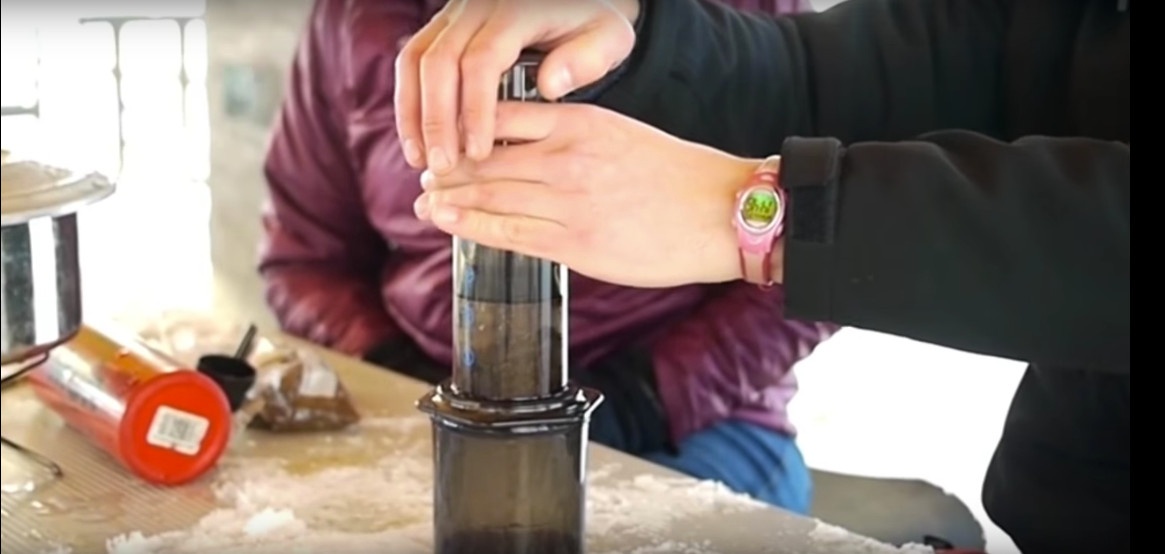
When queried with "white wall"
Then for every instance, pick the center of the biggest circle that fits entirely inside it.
(251, 44)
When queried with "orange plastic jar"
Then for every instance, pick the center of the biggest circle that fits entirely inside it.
(167, 424)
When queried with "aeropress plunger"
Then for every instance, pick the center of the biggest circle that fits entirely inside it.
(509, 428)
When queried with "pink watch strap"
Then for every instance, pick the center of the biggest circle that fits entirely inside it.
(757, 269)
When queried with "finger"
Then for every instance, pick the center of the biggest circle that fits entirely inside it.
(522, 162)
(407, 94)
(521, 198)
(587, 56)
(441, 85)
(494, 48)
(533, 237)
(530, 121)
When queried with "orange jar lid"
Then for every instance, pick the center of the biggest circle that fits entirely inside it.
(175, 428)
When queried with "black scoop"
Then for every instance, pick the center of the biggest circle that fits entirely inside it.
(233, 375)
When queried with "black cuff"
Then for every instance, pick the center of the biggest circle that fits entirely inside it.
(404, 356)
(810, 175)
(628, 384)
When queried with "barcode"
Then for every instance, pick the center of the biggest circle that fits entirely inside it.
(318, 381)
(179, 431)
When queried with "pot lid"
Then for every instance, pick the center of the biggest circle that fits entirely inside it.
(29, 190)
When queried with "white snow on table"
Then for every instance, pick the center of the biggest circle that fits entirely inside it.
(386, 506)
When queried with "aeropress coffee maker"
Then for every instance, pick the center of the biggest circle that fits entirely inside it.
(509, 428)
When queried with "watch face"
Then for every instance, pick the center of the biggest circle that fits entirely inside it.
(760, 208)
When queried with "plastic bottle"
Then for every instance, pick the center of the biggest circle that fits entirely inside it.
(165, 423)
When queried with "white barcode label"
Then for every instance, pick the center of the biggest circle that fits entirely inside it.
(318, 381)
(177, 430)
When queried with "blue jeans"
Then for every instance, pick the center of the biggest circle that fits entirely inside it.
(748, 459)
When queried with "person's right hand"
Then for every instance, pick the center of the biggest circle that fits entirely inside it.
(447, 75)
(609, 196)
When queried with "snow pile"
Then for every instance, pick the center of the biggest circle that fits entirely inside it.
(386, 506)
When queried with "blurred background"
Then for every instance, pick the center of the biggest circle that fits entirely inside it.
(176, 97)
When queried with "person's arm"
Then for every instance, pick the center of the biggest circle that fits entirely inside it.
(1019, 250)
(863, 70)
(321, 257)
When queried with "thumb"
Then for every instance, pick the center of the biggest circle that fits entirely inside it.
(586, 56)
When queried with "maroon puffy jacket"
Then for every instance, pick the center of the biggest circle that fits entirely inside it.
(348, 265)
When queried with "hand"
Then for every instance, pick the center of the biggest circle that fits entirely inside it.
(612, 198)
(447, 75)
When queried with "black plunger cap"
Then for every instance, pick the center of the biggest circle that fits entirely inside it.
(233, 375)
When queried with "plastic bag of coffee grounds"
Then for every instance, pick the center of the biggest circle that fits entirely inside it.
(297, 391)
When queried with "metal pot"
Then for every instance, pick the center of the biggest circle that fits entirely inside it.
(40, 274)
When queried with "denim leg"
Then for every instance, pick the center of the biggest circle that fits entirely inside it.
(749, 459)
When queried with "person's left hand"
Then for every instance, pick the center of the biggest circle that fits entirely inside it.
(447, 74)
(610, 197)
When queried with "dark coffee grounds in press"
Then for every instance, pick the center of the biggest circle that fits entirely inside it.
(509, 351)
(516, 541)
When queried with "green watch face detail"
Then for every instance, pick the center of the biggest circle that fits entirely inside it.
(760, 208)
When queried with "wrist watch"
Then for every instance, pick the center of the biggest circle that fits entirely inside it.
(759, 219)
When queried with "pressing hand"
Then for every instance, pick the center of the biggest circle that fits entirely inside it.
(447, 75)
(611, 197)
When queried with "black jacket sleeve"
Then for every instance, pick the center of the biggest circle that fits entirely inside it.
(864, 70)
(1018, 249)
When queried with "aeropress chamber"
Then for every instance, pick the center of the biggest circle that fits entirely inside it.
(509, 427)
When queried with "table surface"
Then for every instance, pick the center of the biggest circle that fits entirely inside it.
(635, 507)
